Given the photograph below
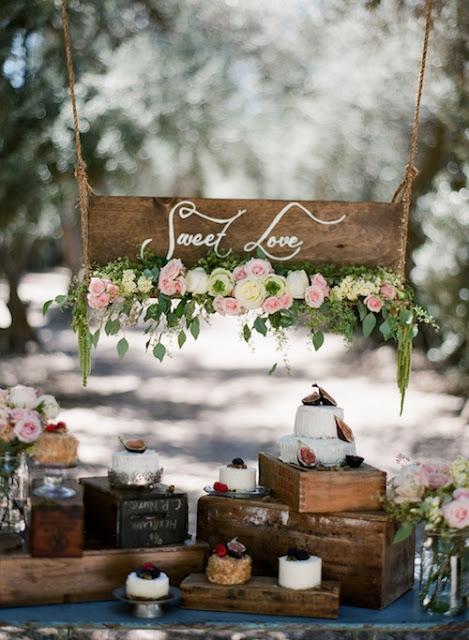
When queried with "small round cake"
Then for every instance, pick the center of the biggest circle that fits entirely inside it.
(147, 583)
(229, 564)
(299, 570)
(56, 447)
(237, 476)
(132, 468)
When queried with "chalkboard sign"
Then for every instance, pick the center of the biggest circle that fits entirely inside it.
(342, 233)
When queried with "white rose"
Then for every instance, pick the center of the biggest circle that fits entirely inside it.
(250, 292)
(48, 406)
(23, 397)
(197, 281)
(144, 284)
(220, 282)
(297, 283)
(275, 285)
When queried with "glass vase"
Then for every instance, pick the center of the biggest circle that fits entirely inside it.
(14, 489)
(53, 483)
(441, 585)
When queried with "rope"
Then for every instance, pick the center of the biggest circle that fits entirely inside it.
(404, 190)
(81, 174)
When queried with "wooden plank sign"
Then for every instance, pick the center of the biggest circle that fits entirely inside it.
(261, 595)
(342, 233)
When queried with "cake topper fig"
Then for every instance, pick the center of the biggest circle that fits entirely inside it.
(307, 457)
(344, 432)
(319, 397)
(134, 445)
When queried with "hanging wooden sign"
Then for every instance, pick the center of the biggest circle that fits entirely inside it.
(342, 233)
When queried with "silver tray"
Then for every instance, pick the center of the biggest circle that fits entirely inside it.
(137, 479)
(149, 608)
(259, 492)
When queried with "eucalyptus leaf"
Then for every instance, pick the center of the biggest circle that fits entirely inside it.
(406, 316)
(60, 299)
(362, 310)
(165, 303)
(260, 326)
(122, 347)
(95, 338)
(368, 324)
(194, 328)
(273, 368)
(181, 339)
(159, 351)
(318, 340)
(45, 306)
(246, 333)
(386, 329)
(112, 327)
(404, 531)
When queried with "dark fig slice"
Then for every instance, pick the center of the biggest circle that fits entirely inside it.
(326, 398)
(344, 432)
(134, 445)
(307, 457)
(312, 399)
(354, 461)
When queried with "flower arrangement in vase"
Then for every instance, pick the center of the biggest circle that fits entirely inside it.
(437, 495)
(171, 300)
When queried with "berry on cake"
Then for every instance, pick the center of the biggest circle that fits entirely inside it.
(229, 564)
(147, 583)
(320, 437)
(237, 476)
(299, 570)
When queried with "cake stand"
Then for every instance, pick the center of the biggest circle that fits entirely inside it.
(149, 608)
(258, 492)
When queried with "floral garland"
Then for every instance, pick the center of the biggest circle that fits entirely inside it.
(171, 301)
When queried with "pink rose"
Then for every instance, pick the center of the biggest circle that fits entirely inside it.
(167, 286)
(460, 492)
(286, 300)
(409, 484)
(112, 290)
(258, 268)
(219, 305)
(438, 475)
(96, 286)
(98, 302)
(18, 414)
(456, 513)
(239, 273)
(388, 291)
(320, 281)
(172, 269)
(227, 306)
(180, 286)
(373, 303)
(271, 305)
(314, 296)
(29, 428)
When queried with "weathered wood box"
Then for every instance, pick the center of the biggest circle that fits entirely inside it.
(261, 595)
(323, 491)
(131, 518)
(57, 525)
(356, 548)
(27, 581)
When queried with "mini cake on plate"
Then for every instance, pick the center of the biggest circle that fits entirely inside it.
(237, 476)
(56, 447)
(147, 583)
(136, 465)
(299, 570)
(229, 564)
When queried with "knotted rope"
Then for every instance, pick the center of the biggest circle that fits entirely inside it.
(404, 190)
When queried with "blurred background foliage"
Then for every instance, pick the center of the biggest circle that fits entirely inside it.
(233, 98)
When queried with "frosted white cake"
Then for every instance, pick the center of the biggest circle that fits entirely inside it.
(299, 574)
(317, 422)
(130, 463)
(238, 479)
(147, 584)
(329, 451)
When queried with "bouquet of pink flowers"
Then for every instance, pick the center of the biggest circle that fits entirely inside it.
(24, 413)
(436, 494)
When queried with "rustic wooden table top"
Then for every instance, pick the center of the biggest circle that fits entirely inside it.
(403, 620)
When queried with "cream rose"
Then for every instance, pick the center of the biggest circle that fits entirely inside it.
(297, 282)
(250, 292)
(275, 285)
(409, 484)
(197, 281)
(23, 397)
(220, 282)
(48, 406)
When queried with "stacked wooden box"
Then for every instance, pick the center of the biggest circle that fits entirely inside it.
(333, 514)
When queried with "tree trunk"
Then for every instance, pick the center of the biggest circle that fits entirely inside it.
(14, 339)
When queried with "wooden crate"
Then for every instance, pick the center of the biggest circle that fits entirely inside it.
(356, 548)
(134, 517)
(323, 491)
(57, 525)
(261, 595)
(27, 581)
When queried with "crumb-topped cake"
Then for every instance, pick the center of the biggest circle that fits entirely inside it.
(147, 583)
(229, 564)
(237, 476)
(320, 437)
(56, 446)
(299, 570)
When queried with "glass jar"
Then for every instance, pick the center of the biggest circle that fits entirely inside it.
(441, 585)
(14, 490)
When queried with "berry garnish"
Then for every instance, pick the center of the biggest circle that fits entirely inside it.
(297, 554)
(148, 566)
(148, 571)
(221, 550)
(237, 462)
(221, 487)
(58, 427)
